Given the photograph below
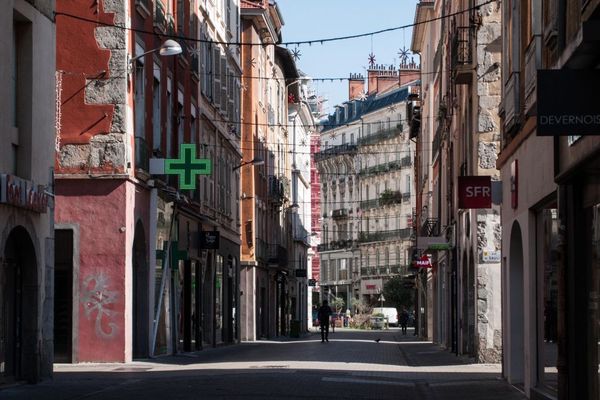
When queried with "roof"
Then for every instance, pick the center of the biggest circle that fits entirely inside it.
(371, 104)
(252, 4)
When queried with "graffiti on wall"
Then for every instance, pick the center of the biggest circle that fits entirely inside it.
(98, 302)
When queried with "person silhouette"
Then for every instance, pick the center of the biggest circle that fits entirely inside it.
(324, 315)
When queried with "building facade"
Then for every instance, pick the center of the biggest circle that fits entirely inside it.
(144, 283)
(365, 170)
(266, 209)
(460, 138)
(550, 200)
(26, 188)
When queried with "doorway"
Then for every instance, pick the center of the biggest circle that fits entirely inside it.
(140, 320)
(63, 295)
(515, 308)
(18, 308)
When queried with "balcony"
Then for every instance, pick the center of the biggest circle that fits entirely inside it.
(512, 103)
(142, 154)
(260, 250)
(533, 57)
(336, 151)
(337, 245)
(381, 135)
(413, 115)
(437, 141)
(396, 234)
(462, 55)
(369, 204)
(160, 17)
(390, 197)
(430, 227)
(339, 213)
(143, 7)
(276, 190)
(277, 255)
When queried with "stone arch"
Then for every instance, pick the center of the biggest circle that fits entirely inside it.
(515, 315)
(19, 302)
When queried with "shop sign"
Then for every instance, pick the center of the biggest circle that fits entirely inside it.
(423, 262)
(371, 286)
(23, 194)
(560, 115)
(300, 273)
(474, 192)
(491, 256)
(432, 243)
(209, 240)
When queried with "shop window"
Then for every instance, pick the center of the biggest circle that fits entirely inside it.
(547, 227)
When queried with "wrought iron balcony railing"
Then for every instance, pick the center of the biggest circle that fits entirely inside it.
(381, 135)
(396, 234)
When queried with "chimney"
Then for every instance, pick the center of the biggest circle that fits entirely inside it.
(409, 72)
(356, 85)
(382, 78)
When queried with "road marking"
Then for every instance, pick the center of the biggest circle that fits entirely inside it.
(371, 381)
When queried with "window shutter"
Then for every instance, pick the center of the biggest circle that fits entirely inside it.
(224, 85)
(216, 77)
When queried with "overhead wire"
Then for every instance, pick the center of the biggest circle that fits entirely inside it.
(290, 43)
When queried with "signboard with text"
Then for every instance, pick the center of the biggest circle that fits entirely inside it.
(23, 194)
(209, 240)
(474, 192)
(559, 114)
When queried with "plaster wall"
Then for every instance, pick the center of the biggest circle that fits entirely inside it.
(99, 208)
(538, 173)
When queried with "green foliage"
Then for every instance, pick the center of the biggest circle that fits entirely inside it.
(359, 306)
(397, 294)
(338, 304)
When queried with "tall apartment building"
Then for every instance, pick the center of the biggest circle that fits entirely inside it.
(459, 138)
(135, 277)
(28, 129)
(365, 170)
(266, 205)
(550, 198)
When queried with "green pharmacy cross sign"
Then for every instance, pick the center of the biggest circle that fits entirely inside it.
(187, 166)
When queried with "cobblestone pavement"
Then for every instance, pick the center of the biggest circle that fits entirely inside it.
(353, 365)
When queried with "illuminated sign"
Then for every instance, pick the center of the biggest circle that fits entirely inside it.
(187, 166)
(23, 194)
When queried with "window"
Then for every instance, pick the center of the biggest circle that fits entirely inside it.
(139, 93)
(156, 109)
(169, 121)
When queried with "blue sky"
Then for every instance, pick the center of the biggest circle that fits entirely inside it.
(315, 19)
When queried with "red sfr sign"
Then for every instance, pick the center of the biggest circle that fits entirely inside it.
(474, 192)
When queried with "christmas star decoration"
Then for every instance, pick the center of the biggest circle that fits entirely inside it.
(245, 87)
(296, 54)
(371, 59)
(291, 98)
(332, 135)
(403, 53)
(253, 62)
(392, 108)
(302, 142)
(362, 96)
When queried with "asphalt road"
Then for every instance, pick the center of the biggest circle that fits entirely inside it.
(351, 366)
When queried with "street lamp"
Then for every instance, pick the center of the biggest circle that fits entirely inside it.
(254, 161)
(169, 48)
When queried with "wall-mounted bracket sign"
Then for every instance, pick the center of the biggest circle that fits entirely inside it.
(474, 192)
(187, 166)
(560, 114)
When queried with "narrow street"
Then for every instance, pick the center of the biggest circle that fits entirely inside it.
(351, 366)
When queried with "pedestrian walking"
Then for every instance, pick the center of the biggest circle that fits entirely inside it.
(324, 315)
(403, 320)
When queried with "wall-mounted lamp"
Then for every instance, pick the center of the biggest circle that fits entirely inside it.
(254, 161)
(169, 48)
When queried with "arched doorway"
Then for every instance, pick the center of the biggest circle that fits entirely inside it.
(140, 293)
(515, 307)
(18, 308)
